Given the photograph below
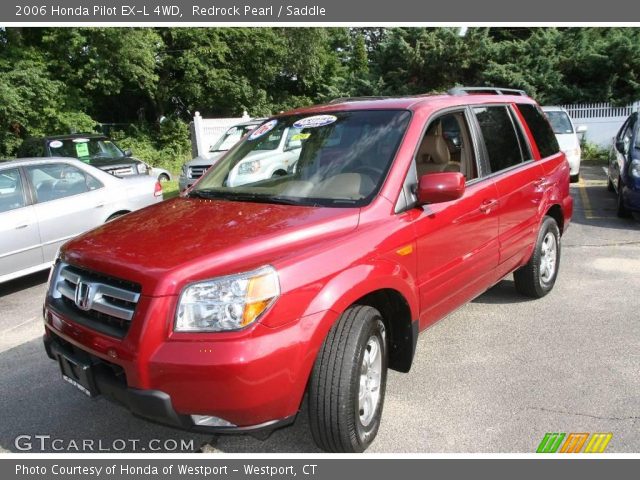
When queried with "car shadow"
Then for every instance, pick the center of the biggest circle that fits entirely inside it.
(35, 401)
(503, 292)
(22, 283)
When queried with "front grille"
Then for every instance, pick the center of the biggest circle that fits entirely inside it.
(198, 171)
(103, 303)
(121, 171)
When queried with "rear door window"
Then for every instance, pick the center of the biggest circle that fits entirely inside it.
(500, 137)
(540, 129)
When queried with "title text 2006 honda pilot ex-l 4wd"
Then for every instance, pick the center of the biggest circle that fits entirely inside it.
(220, 309)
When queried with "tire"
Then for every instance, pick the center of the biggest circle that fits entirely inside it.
(574, 178)
(531, 279)
(610, 186)
(339, 421)
(621, 210)
(163, 177)
(279, 173)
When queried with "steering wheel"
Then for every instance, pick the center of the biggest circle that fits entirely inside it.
(369, 170)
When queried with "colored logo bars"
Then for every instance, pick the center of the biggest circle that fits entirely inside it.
(574, 443)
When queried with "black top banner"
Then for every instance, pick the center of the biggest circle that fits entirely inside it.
(316, 11)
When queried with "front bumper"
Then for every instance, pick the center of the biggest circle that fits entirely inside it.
(184, 183)
(153, 405)
(253, 379)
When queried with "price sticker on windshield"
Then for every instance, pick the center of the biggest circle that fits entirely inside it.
(263, 129)
(315, 121)
(82, 149)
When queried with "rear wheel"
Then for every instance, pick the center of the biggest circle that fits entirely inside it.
(347, 385)
(575, 178)
(538, 276)
(610, 186)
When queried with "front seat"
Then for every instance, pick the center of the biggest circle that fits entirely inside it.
(433, 155)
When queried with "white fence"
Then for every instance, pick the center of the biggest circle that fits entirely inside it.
(206, 131)
(601, 119)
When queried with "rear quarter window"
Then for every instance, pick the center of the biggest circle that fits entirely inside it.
(540, 129)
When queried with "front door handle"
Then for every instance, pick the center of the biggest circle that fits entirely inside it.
(20, 227)
(100, 205)
(488, 205)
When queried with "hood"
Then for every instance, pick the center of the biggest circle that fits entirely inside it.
(567, 141)
(205, 160)
(113, 162)
(164, 246)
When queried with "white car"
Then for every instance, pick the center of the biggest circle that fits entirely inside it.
(276, 154)
(567, 136)
(46, 201)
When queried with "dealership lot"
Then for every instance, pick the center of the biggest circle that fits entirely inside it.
(493, 377)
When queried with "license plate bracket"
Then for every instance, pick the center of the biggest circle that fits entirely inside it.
(78, 374)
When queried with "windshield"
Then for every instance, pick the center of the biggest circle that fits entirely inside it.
(85, 149)
(560, 122)
(337, 159)
(231, 137)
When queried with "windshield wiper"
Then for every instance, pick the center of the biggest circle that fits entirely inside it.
(251, 197)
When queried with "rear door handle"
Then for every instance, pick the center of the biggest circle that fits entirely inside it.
(100, 205)
(488, 205)
(19, 227)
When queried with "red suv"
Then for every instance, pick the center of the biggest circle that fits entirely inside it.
(220, 309)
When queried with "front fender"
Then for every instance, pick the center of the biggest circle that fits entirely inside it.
(355, 282)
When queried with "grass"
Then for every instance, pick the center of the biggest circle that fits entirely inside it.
(170, 189)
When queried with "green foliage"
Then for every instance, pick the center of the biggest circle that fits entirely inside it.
(57, 80)
(592, 152)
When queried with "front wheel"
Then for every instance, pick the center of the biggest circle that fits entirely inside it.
(347, 385)
(538, 276)
(621, 210)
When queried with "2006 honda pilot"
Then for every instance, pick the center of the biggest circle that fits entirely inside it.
(219, 309)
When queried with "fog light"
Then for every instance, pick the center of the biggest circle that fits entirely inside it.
(209, 421)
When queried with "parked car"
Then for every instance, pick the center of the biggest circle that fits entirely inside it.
(96, 150)
(623, 173)
(158, 173)
(217, 310)
(45, 202)
(567, 136)
(194, 169)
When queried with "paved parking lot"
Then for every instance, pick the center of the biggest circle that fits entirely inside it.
(493, 377)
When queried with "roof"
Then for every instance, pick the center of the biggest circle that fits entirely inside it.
(16, 162)
(70, 136)
(413, 103)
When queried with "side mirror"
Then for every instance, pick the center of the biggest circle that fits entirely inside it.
(620, 146)
(440, 187)
(581, 129)
(128, 152)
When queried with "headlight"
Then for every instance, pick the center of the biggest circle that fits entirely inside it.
(227, 303)
(142, 168)
(249, 167)
(634, 169)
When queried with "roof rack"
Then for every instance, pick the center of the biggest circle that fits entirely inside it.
(486, 90)
(354, 99)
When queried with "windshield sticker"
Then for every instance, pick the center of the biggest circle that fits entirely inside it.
(300, 136)
(80, 140)
(263, 129)
(315, 121)
(82, 149)
(55, 144)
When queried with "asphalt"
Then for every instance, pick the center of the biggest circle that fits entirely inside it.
(494, 376)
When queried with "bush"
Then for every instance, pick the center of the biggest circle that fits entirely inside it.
(592, 152)
(166, 146)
